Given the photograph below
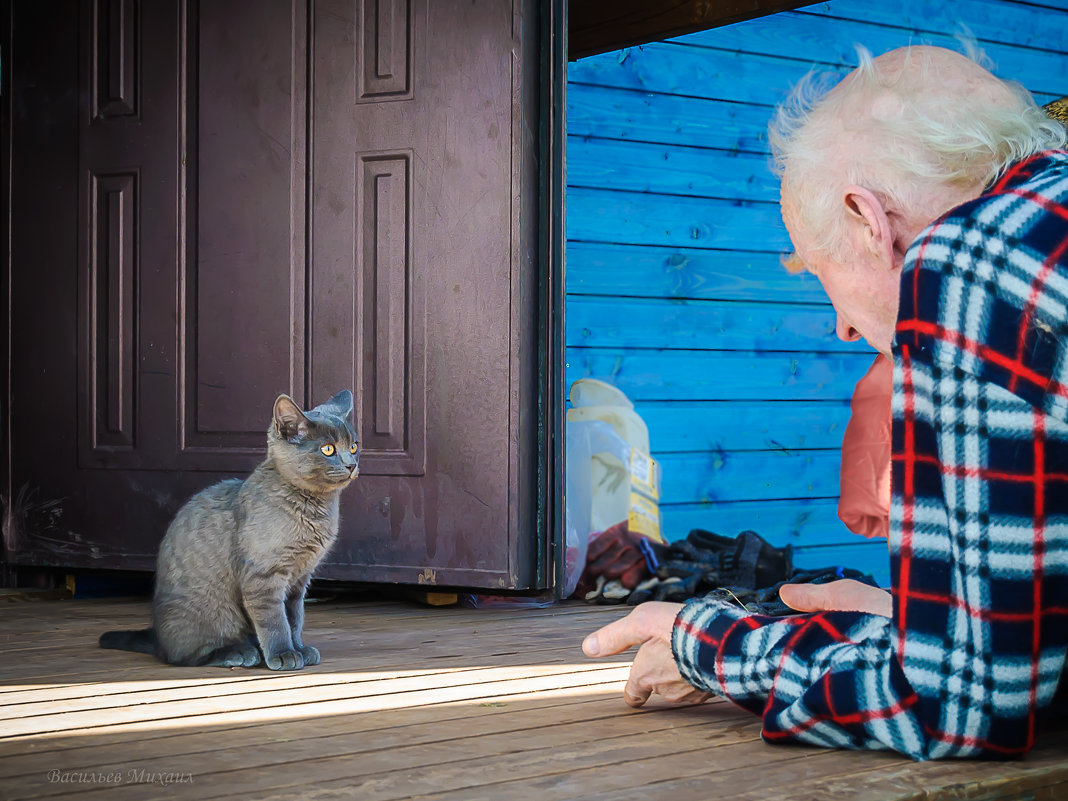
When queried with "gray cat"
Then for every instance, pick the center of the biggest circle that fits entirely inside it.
(237, 558)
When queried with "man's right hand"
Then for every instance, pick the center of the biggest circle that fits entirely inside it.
(649, 627)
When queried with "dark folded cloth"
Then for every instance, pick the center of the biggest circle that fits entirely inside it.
(767, 601)
(746, 570)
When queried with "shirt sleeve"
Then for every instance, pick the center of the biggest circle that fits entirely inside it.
(979, 560)
(825, 679)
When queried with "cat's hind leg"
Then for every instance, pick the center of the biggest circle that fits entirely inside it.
(241, 654)
(190, 635)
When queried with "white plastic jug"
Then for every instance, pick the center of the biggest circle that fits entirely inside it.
(623, 481)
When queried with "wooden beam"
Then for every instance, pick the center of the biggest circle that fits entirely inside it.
(597, 26)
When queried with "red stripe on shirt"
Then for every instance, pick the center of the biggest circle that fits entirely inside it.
(718, 662)
(1010, 174)
(852, 719)
(908, 498)
(983, 473)
(1032, 303)
(981, 613)
(985, 352)
(1046, 203)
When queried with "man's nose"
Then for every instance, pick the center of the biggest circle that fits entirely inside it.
(845, 331)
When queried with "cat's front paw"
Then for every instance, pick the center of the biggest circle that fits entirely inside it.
(285, 660)
(310, 654)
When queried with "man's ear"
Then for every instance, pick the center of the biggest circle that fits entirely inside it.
(863, 208)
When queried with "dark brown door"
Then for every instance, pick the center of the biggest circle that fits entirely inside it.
(216, 202)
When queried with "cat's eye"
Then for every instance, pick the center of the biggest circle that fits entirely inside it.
(328, 450)
(353, 448)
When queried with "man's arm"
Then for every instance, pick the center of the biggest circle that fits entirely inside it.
(976, 643)
(649, 627)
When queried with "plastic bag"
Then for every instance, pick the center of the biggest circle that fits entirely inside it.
(607, 481)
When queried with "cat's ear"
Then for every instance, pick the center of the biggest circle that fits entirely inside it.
(289, 420)
(340, 404)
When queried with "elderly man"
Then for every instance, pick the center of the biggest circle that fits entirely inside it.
(931, 201)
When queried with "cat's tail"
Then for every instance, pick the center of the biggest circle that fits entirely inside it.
(143, 641)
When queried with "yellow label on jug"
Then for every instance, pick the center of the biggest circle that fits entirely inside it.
(643, 474)
(644, 517)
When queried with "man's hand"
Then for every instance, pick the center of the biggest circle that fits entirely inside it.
(845, 595)
(653, 670)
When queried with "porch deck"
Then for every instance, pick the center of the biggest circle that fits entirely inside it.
(411, 702)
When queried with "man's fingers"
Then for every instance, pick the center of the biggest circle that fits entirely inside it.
(615, 638)
(644, 672)
(648, 621)
(801, 597)
(635, 696)
(846, 595)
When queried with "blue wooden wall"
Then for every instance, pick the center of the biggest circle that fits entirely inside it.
(675, 292)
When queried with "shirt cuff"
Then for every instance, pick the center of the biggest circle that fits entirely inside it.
(696, 638)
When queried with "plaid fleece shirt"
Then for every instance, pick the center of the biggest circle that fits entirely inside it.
(979, 516)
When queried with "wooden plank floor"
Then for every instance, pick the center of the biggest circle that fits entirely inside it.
(411, 702)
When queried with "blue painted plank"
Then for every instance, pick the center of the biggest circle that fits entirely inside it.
(595, 215)
(702, 325)
(676, 69)
(828, 39)
(721, 375)
(679, 426)
(748, 475)
(598, 268)
(799, 522)
(1022, 24)
(638, 116)
(670, 170)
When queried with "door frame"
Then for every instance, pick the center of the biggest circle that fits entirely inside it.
(7, 571)
(552, 286)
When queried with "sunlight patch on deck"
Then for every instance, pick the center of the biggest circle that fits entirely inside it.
(155, 705)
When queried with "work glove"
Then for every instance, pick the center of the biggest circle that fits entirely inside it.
(616, 553)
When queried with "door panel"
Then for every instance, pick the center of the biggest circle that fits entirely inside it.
(265, 198)
(427, 223)
(127, 134)
(243, 271)
(391, 391)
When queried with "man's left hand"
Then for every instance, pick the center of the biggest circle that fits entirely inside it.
(845, 595)
(653, 670)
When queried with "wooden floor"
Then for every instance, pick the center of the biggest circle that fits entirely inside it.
(411, 702)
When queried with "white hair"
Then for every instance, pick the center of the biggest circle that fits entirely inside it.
(903, 132)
